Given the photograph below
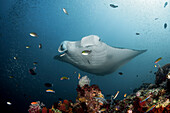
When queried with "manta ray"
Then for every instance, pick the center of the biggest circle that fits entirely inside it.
(92, 55)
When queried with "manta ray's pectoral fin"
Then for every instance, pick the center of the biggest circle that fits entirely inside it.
(125, 55)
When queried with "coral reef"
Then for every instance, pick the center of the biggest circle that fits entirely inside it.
(91, 100)
(149, 98)
(142, 101)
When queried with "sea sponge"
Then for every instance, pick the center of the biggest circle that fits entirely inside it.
(83, 81)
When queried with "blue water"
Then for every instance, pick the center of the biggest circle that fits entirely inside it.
(115, 26)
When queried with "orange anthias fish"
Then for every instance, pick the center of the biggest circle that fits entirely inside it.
(79, 76)
(64, 78)
(102, 110)
(125, 95)
(34, 103)
(157, 60)
(50, 91)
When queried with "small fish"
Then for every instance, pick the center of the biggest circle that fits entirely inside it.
(75, 72)
(125, 95)
(157, 60)
(11, 76)
(116, 94)
(40, 46)
(64, 78)
(50, 91)
(79, 76)
(155, 66)
(86, 52)
(27, 46)
(137, 75)
(35, 63)
(137, 33)
(166, 3)
(120, 73)
(15, 58)
(34, 103)
(64, 10)
(150, 71)
(9, 103)
(33, 34)
(165, 25)
(113, 5)
(48, 84)
(145, 99)
(102, 110)
(150, 108)
(32, 71)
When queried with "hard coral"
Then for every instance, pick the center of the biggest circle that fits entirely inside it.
(90, 98)
(149, 98)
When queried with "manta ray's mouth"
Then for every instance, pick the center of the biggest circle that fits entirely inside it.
(63, 48)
